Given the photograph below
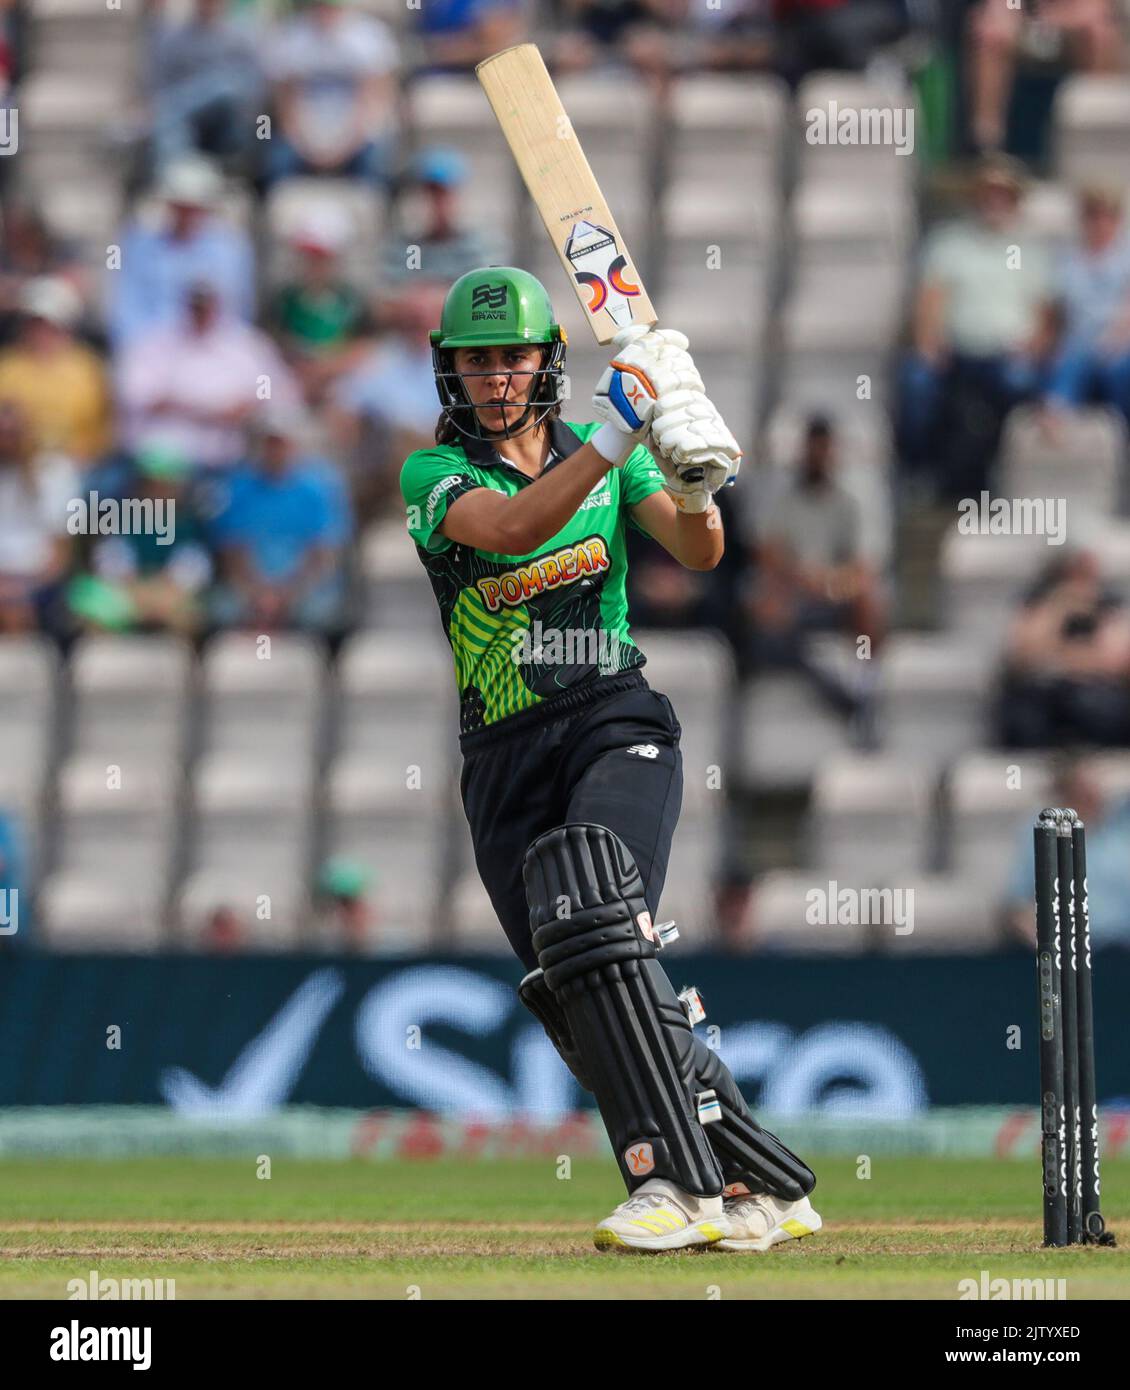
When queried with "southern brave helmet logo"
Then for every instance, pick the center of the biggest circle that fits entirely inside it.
(488, 297)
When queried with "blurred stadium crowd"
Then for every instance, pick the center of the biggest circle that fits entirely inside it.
(226, 232)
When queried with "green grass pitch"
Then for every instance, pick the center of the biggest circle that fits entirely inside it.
(515, 1229)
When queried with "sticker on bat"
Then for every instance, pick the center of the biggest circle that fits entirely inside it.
(602, 268)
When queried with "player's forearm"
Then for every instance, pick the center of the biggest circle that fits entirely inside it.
(542, 509)
(699, 538)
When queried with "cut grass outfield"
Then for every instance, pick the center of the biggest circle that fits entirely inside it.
(512, 1229)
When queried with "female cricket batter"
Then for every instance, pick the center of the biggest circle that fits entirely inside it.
(572, 776)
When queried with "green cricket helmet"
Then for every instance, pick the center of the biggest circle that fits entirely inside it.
(497, 306)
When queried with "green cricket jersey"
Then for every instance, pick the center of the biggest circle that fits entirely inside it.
(524, 628)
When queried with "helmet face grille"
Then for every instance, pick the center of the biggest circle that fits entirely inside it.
(463, 415)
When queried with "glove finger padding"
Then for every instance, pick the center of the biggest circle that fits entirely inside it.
(673, 338)
(687, 430)
(663, 354)
(628, 335)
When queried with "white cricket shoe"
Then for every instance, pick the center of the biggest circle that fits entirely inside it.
(661, 1216)
(759, 1221)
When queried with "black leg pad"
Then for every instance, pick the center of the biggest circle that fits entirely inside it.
(747, 1153)
(592, 933)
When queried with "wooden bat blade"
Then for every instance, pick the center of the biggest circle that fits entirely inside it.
(561, 183)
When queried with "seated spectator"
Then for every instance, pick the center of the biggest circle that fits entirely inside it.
(223, 932)
(737, 38)
(839, 34)
(344, 918)
(1067, 662)
(1108, 863)
(194, 386)
(332, 70)
(1092, 363)
(60, 383)
(646, 35)
(811, 573)
(15, 903)
(981, 331)
(387, 405)
(318, 316)
(457, 34)
(205, 85)
(35, 548)
(281, 536)
(192, 243)
(432, 240)
(1086, 35)
(29, 250)
(150, 579)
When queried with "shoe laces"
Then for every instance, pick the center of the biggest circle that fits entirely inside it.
(742, 1203)
(646, 1201)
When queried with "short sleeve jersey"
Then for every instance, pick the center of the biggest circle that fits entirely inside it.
(524, 628)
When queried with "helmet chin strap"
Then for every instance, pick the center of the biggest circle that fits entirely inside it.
(512, 431)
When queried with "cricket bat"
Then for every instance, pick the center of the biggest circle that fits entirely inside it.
(557, 174)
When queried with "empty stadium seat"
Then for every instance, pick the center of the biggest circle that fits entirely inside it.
(131, 694)
(399, 835)
(252, 813)
(117, 818)
(983, 577)
(28, 735)
(871, 819)
(873, 816)
(1092, 115)
(787, 730)
(396, 703)
(946, 916)
(726, 132)
(90, 911)
(936, 696)
(845, 224)
(992, 801)
(844, 310)
(262, 696)
(1084, 467)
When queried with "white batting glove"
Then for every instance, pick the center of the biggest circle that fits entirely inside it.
(645, 363)
(693, 449)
